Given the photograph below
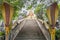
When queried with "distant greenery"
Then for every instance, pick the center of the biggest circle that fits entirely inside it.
(2, 33)
(23, 15)
(19, 4)
(29, 7)
(58, 33)
(1, 13)
(38, 8)
(1, 16)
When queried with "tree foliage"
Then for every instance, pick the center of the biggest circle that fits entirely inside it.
(19, 4)
(39, 11)
(38, 8)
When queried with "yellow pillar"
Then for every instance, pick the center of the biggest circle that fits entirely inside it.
(7, 12)
(52, 13)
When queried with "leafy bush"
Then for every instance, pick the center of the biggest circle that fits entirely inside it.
(1, 33)
(58, 33)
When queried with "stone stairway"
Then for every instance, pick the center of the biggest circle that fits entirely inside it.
(30, 31)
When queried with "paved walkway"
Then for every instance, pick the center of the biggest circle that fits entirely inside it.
(30, 31)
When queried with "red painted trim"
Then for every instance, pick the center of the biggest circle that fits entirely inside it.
(52, 14)
(7, 13)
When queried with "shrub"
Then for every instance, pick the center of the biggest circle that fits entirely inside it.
(58, 33)
(1, 33)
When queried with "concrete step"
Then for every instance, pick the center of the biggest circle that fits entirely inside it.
(30, 36)
(30, 31)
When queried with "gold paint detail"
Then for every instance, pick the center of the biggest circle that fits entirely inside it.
(11, 13)
(7, 30)
(56, 13)
(3, 13)
(7, 33)
(48, 14)
(53, 34)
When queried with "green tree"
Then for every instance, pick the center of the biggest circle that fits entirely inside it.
(39, 11)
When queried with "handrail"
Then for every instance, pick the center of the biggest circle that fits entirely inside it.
(15, 30)
(45, 24)
(14, 25)
(44, 31)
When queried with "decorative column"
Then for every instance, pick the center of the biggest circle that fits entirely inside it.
(7, 12)
(52, 13)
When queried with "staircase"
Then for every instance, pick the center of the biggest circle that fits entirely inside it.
(30, 31)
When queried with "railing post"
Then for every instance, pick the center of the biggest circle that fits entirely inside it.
(52, 13)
